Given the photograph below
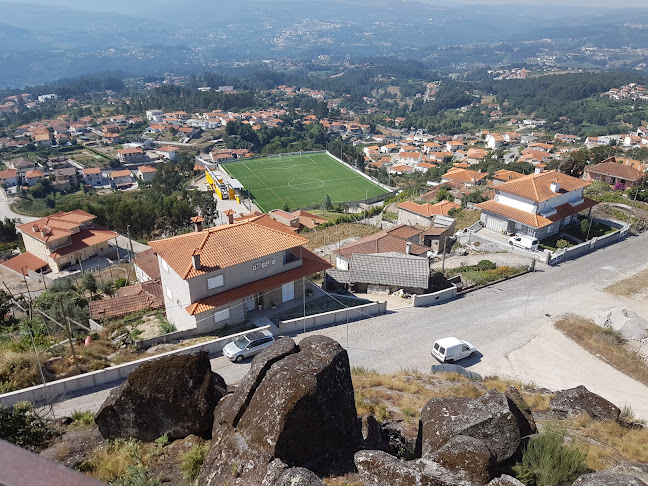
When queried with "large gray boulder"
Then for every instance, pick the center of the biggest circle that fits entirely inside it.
(607, 478)
(505, 480)
(279, 474)
(468, 457)
(579, 401)
(492, 418)
(377, 468)
(296, 404)
(174, 395)
(630, 324)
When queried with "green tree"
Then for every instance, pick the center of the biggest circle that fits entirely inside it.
(89, 283)
(327, 203)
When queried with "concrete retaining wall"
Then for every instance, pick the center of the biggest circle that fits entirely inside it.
(332, 317)
(434, 298)
(43, 393)
(591, 245)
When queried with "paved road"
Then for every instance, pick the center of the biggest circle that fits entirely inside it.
(6, 212)
(511, 325)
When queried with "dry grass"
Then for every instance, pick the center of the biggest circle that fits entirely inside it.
(630, 286)
(606, 443)
(112, 459)
(606, 344)
(346, 480)
(539, 402)
(467, 218)
(331, 234)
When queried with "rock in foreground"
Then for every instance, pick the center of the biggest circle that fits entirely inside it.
(492, 418)
(174, 395)
(296, 404)
(579, 401)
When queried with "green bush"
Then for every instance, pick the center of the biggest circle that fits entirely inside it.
(193, 460)
(82, 419)
(120, 282)
(562, 243)
(166, 327)
(486, 265)
(21, 425)
(585, 226)
(548, 461)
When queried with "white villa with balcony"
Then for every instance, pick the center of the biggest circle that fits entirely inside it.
(538, 204)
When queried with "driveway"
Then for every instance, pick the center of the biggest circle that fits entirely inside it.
(511, 324)
(6, 212)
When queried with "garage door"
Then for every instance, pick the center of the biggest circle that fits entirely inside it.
(495, 224)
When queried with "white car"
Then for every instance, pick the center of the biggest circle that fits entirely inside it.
(524, 241)
(451, 349)
(248, 345)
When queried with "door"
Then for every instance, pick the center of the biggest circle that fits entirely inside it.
(249, 303)
(288, 292)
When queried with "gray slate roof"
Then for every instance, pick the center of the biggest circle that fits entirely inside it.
(394, 269)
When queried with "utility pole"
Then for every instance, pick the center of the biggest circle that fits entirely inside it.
(130, 242)
(304, 300)
(68, 330)
(23, 271)
(445, 240)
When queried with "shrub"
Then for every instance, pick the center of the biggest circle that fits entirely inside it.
(562, 243)
(120, 282)
(585, 226)
(82, 419)
(193, 460)
(454, 212)
(548, 461)
(21, 425)
(486, 265)
(166, 327)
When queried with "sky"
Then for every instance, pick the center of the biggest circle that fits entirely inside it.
(122, 6)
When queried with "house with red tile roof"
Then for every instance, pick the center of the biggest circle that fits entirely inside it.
(402, 239)
(167, 151)
(32, 177)
(131, 155)
(465, 176)
(538, 205)
(59, 241)
(145, 173)
(214, 277)
(613, 172)
(92, 176)
(412, 213)
(8, 178)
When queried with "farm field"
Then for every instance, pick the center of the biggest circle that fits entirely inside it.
(300, 181)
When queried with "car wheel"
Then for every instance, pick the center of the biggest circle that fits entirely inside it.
(239, 358)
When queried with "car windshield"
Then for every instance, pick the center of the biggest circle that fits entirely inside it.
(242, 342)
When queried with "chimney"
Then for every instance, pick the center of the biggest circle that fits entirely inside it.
(198, 221)
(35, 228)
(408, 248)
(539, 169)
(230, 216)
(555, 186)
(195, 261)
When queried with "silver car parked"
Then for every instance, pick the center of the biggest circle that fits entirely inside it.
(248, 345)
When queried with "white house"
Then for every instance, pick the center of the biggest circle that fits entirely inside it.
(537, 205)
(168, 152)
(214, 277)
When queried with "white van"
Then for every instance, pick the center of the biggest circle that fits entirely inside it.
(451, 349)
(524, 241)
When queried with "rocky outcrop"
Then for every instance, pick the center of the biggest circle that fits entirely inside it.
(296, 404)
(579, 401)
(279, 474)
(378, 468)
(468, 457)
(606, 478)
(174, 395)
(505, 480)
(623, 474)
(492, 418)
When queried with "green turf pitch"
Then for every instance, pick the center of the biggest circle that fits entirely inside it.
(300, 181)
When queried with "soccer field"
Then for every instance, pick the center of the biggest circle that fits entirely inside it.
(300, 181)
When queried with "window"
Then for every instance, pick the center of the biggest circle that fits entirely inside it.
(164, 265)
(221, 315)
(168, 293)
(214, 282)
